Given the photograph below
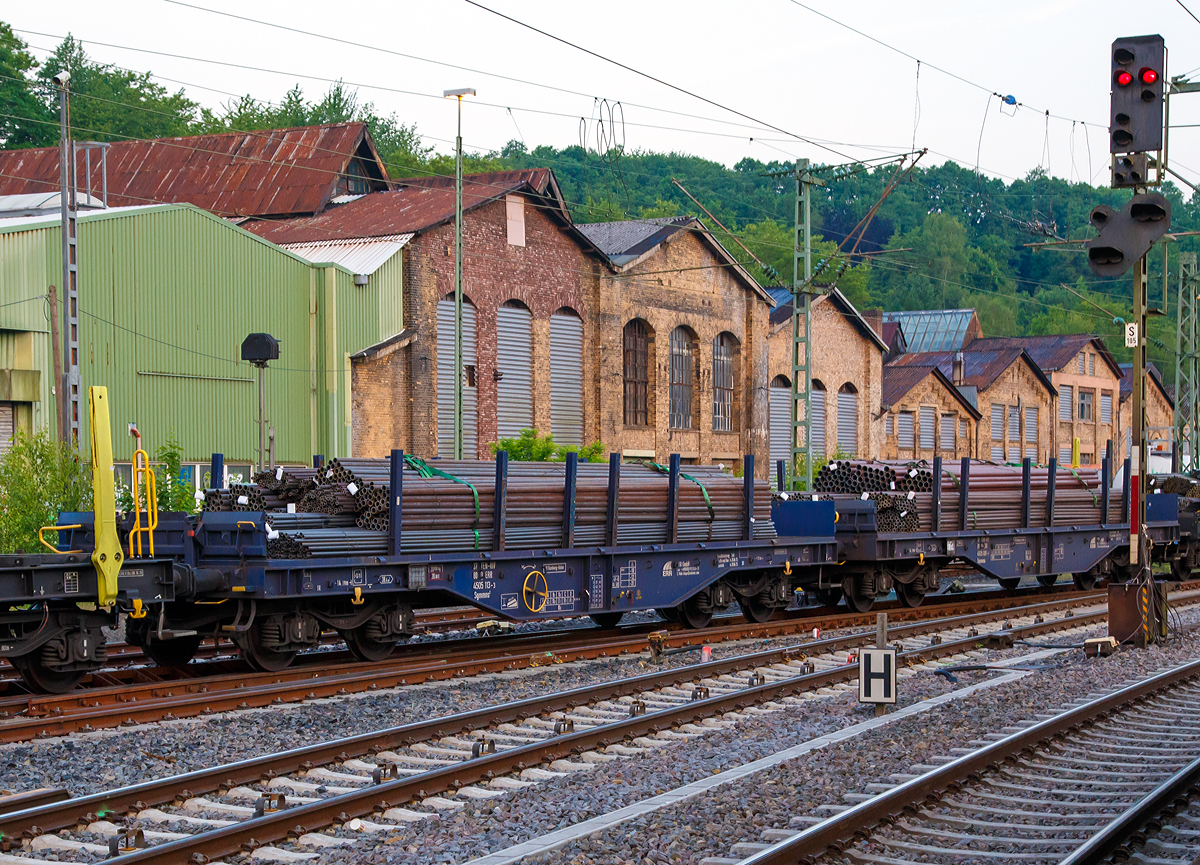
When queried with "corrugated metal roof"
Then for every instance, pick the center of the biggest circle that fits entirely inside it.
(37, 203)
(272, 172)
(1155, 375)
(416, 206)
(624, 240)
(933, 329)
(898, 381)
(358, 255)
(1053, 352)
(21, 223)
(980, 368)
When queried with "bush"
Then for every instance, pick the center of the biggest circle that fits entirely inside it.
(39, 478)
(531, 447)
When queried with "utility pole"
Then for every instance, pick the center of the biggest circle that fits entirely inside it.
(68, 428)
(458, 285)
(1187, 370)
(802, 295)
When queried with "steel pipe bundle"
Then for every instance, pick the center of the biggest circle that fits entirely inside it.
(865, 476)
(1180, 485)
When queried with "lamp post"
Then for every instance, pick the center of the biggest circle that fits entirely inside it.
(458, 289)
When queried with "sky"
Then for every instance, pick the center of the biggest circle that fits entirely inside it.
(783, 80)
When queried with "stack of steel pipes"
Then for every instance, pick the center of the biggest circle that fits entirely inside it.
(449, 505)
(1180, 485)
(993, 497)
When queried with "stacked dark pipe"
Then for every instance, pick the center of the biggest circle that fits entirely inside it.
(1180, 485)
(342, 508)
(903, 492)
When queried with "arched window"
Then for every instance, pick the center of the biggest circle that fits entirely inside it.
(566, 376)
(725, 348)
(514, 367)
(637, 373)
(847, 425)
(816, 403)
(780, 421)
(683, 378)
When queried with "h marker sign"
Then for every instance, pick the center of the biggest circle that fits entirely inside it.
(877, 676)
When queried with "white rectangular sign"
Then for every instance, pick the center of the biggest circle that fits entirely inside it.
(1131, 335)
(877, 676)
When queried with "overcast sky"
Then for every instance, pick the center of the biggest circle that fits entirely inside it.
(778, 62)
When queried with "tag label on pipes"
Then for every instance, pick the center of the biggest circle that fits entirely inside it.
(1131, 335)
(352, 489)
(279, 473)
(243, 500)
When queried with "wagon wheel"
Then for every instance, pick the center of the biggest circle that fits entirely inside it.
(364, 647)
(910, 594)
(856, 599)
(755, 611)
(44, 679)
(606, 620)
(176, 652)
(1009, 583)
(1047, 580)
(830, 597)
(690, 614)
(259, 656)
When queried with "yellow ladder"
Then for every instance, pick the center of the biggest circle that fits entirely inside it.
(143, 475)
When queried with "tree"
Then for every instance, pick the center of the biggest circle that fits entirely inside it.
(40, 478)
(25, 121)
(108, 103)
(530, 446)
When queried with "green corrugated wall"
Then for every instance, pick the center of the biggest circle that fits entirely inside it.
(167, 294)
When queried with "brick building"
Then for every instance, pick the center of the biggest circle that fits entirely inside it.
(682, 327)
(925, 415)
(1009, 391)
(529, 283)
(847, 370)
(1160, 412)
(1087, 379)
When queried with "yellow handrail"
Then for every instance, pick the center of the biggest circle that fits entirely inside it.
(51, 547)
(142, 471)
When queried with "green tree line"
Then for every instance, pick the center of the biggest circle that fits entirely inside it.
(947, 236)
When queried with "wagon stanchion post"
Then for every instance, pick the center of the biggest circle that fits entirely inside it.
(1051, 483)
(964, 478)
(318, 461)
(937, 493)
(673, 500)
(781, 475)
(614, 498)
(1026, 474)
(1105, 483)
(501, 494)
(569, 482)
(216, 472)
(1125, 493)
(396, 488)
(748, 486)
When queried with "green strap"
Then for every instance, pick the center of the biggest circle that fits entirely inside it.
(425, 470)
(708, 501)
(1095, 500)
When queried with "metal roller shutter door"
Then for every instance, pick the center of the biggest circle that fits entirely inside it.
(514, 358)
(780, 421)
(949, 422)
(445, 381)
(997, 422)
(7, 426)
(1031, 424)
(928, 413)
(904, 427)
(847, 430)
(816, 401)
(566, 379)
(1066, 402)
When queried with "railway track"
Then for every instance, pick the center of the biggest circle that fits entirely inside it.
(1110, 778)
(217, 686)
(327, 795)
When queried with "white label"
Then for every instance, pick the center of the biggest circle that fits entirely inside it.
(328, 473)
(833, 467)
(291, 507)
(891, 485)
(814, 498)
(865, 496)
(903, 514)
(912, 473)
(783, 496)
(911, 495)
(1131, 334)
(279, 473)
(199, 495)
(352, 489)
(243, 500)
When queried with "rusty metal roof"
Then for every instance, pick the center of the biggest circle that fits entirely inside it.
(274, 172)
(417, 205)
(1155, 376)
(897, 381)
(1050, 353)
(980, 368)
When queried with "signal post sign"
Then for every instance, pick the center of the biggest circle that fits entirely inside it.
(877, 676)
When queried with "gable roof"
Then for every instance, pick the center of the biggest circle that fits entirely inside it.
(627, 242)
(783, 312)
(1155, 376)
(933, 329)
(897, 381)
(415, 206)
(273, 172)
(980, 368)
(1053, 352)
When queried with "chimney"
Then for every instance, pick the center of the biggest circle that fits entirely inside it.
(958, 369)
(874, 317)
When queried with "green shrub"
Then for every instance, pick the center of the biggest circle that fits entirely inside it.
(531, 447)
(39, 478)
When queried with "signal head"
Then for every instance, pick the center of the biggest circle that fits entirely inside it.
(1148, 75)
(1124, 78)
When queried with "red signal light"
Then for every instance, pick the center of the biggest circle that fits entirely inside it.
(1124, 78)
(1148, 75)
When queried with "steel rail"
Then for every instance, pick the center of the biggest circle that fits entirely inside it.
(110, 707)
(136, 797)
(276, 826)
(831, 836)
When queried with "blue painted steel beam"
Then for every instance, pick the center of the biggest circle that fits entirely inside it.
(1051, 484)
(569, 481)
(748, 486)
(614, 499)
(673, 500)
(217, 472)
(501, 499)
(395, 502)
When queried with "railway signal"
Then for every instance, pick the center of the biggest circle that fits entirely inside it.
(1127, 234)
(1135, 119)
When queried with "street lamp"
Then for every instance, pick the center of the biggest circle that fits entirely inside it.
(458, 290)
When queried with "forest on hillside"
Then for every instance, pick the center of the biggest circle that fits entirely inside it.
(947, 236)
